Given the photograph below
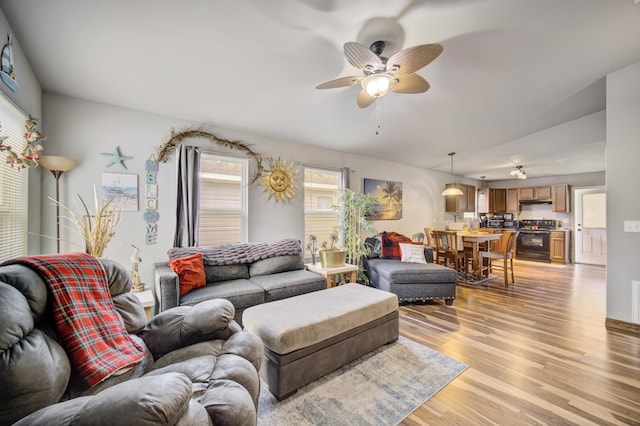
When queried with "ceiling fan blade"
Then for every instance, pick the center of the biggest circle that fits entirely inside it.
(411, 59)
(361, 57)
(339, 82)
(365, 99)
(410, 83)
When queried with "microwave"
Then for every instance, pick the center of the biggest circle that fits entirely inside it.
(510, 224)
(495, 223)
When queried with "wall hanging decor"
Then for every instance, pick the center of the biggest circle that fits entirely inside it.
(388, 196)
(122, 188)
(7, 70)
(280, 181)
(151, 200)
(29, 155)
(165, 151)
(116, 158)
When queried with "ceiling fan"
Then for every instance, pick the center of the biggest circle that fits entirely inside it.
(381, 75)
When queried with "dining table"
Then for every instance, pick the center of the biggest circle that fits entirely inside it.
(477, 238)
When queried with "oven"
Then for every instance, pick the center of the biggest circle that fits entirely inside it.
(534, 239)
(533, 245)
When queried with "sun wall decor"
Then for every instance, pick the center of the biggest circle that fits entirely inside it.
(280, 180)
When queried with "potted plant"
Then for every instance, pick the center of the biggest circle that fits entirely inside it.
(355, 207)
(330, 255)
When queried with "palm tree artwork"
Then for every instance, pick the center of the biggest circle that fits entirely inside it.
(388, 196)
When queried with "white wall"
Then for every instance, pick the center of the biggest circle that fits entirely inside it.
(83, 130)
(623, 197)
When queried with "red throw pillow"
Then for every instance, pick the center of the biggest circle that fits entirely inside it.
(390, 245)
(190, 272)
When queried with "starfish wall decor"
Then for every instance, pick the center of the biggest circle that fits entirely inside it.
(116, 158)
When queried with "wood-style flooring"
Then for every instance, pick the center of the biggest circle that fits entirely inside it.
(538, 352)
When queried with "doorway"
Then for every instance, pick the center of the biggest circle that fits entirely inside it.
(590, 218)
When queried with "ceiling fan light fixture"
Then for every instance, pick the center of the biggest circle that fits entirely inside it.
(518, 172)
(377, 85)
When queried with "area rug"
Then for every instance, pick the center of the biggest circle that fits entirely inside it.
(381, 388)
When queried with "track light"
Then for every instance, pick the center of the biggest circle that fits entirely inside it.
(519, 172)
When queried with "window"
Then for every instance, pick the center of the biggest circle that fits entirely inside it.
(14, 186)
(321, 192)
(223, 200)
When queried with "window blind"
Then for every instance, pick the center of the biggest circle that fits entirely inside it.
(14, 184)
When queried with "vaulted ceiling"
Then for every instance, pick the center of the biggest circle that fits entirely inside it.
(518, 83)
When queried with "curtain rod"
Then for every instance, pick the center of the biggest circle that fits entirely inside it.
(318, 166)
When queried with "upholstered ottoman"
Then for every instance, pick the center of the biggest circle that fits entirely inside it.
(413, 281)
(308, 336)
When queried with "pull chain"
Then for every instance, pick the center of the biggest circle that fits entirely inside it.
(378, 115)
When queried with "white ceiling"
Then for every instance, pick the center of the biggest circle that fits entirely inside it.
(510, 69)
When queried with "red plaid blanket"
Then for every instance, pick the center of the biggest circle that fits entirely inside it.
(86, 320)
(391, 245)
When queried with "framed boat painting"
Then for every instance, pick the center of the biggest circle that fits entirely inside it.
(388, 195)
(122, 188)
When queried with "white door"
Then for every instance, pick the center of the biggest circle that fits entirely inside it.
(591, 231)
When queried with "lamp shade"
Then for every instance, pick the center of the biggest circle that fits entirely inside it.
(56, 163)
(450, 189)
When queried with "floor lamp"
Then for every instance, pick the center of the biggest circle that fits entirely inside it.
(57, 166)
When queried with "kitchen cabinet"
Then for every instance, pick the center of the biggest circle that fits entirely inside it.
(461, 203)
(492, 200)
(542, 193)
(559, 246)
(560, 199)
(526, 193)
(513, 203)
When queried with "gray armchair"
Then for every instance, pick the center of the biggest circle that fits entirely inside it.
(199, 366)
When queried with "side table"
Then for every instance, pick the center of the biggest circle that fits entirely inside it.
(346, 273)
(147, 300)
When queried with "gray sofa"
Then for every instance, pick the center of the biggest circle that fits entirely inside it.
(411, 282)
(197, 367)
(233, 274)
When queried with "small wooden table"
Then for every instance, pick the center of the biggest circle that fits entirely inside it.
(475, 238)
(147, 300)
(347, 273)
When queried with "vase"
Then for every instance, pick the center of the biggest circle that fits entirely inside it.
(332, 258)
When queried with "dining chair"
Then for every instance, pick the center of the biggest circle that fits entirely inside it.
(449, 253)
(506, 255)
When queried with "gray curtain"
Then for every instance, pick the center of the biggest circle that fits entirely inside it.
(188, 202)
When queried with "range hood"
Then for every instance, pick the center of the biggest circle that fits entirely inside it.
(527, 202)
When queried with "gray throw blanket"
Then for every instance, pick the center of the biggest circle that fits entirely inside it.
(239, 253)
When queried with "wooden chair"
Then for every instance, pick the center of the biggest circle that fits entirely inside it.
(506, 255)
(431, 238)
(449, 254)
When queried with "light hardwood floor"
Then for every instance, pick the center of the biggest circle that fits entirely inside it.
(538, 352)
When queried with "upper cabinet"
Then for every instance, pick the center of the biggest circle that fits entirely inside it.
(542, 192)
(526, 193)
(513, 202)
(492, 200)
(534, 193)
(560, 198)
(462, 203)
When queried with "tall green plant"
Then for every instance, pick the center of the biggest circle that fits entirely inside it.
(354, 208)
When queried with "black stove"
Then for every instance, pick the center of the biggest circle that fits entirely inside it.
(533, 241)
(537, 225)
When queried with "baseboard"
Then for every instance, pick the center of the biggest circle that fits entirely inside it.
(622, 326)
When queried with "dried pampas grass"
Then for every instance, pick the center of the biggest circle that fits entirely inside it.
(96, 227)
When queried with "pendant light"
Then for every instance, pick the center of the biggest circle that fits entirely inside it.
(450, 188)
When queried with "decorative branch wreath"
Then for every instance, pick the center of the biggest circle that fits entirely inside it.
(29, 155)
(165, 151)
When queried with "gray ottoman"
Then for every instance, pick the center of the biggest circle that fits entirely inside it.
(413, 282)
(308, 336)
